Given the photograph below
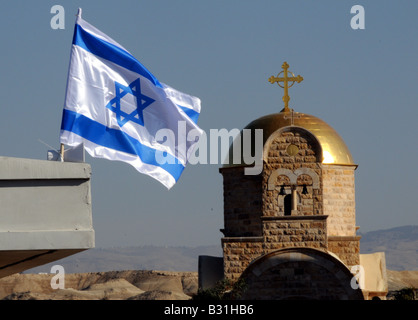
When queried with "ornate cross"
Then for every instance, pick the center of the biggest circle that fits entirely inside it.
(286, 79)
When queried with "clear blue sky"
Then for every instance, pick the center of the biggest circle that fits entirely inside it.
(362, 82)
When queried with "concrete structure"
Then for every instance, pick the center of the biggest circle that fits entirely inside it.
(290, 232)
(212, 269)
(375, 278)
(45, 213)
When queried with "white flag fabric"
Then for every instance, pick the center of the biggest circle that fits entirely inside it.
(120, 111)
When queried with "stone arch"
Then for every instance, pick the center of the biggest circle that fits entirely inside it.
(280, 172)
(311, 137)
(305, 273)
(310, 172)
(292, 176)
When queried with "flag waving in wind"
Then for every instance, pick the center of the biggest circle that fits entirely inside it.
(120, 111)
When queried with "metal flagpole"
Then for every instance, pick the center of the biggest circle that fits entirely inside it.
(62, 145)
(62, 152)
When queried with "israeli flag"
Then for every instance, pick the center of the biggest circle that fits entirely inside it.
(120, 111)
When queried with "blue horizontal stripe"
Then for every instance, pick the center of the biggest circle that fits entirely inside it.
(110, 52)
(117, 140)
(190, 113)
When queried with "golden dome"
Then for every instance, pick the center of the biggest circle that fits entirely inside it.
(334, 149)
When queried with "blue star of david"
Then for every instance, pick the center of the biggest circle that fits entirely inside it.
(142, 101)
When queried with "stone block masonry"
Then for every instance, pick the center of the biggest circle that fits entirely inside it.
(339, 199)
(300, 231)
(238, 253)
(278, 233)
(257, 216)
(242, 203)
(346, 248)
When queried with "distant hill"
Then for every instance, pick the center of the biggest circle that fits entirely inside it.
(399, 244)
(133, 258)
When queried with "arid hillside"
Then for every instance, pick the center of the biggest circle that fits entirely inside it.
(114, 285)
(115, 273)
(131, 285)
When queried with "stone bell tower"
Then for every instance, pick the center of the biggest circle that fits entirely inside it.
(299, 210)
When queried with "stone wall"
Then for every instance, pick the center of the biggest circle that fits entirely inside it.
(242, 203)
(346, 248)
(339, 199)
(292, 160)
(238, 253)
(278, 233)
(284, 232)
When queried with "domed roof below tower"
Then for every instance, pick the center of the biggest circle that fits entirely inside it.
(334, 149)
